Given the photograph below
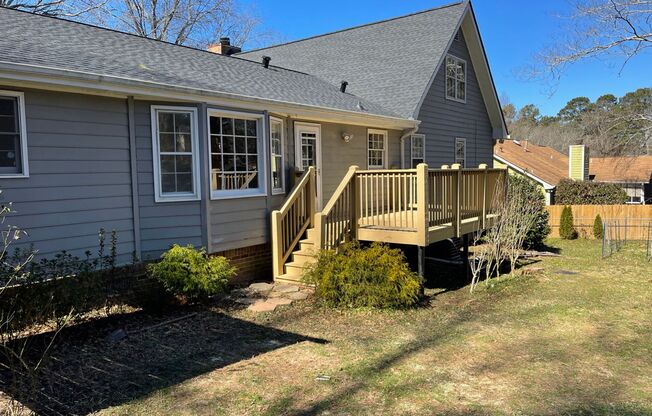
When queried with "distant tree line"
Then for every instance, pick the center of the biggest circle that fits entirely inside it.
(610, 126)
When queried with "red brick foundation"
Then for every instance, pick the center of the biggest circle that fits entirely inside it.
(253, 262)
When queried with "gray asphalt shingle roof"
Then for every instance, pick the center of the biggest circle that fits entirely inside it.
(60, 44)
(389, 62)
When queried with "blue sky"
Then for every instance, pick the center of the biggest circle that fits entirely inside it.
(512, 30)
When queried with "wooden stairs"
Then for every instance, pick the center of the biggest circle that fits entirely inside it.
(302, 257)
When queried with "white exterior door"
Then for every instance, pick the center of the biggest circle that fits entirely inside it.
(308, 152)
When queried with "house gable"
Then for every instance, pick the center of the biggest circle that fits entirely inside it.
(443, 120)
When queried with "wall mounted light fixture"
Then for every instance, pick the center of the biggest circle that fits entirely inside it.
(347, 137)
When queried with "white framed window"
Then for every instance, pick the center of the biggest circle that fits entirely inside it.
(277, 158)
(460, 151)
(13, 135)
(175, 148)
(376, 149)
(417, 149)
(455, 78)
(237, 162)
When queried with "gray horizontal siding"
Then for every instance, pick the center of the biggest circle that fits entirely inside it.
(239, 222)
(443, 120)
(79, 175)
(164, 223)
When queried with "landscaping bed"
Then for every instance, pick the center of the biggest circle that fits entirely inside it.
(572, 336)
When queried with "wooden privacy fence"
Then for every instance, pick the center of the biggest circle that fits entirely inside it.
(633, 219)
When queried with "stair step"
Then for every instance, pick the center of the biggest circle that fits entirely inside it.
(295, 280)
(295, 268)
(302, 260)
(310, 234)
(303, 257)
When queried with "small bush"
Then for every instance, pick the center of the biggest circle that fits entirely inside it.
(377, 276)
(189, 272)
(570, 192)
(597, 227)
(566, 227)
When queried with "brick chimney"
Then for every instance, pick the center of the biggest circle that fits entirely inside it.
(224, 47)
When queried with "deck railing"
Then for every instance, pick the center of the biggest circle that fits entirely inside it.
(388, 198)
(290, 222)
(337, 221)
(408, 200)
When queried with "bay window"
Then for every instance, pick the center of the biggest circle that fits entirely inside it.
(277, 146)
(13, 135)
(175, 153)
(236, 150)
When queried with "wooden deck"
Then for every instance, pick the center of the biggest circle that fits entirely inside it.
(407, 206)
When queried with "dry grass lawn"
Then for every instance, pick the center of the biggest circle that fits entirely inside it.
(553, 343)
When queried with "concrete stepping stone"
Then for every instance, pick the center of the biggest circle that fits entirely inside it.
(261, 287)
(279, 301)
(262, 306)
(286, 288)
(297, 295)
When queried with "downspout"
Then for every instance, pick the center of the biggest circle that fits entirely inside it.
(406, 133)
(133, 165)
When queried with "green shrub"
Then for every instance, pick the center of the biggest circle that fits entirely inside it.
(566, 226)
(597, 227)
(570, 192)
(377, 276)
(191, 273)
(538, 232)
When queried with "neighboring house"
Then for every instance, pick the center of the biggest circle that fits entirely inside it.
(547, 166)
(169, 144)
(633, 174)
(542, 164)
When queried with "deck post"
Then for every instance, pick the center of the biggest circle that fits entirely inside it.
(355, 202)
(422, 204)
(457, 198)
(484, 195)
(312, 195)
(319, 229)
(421, 267)
(277, 249)
(467, 269)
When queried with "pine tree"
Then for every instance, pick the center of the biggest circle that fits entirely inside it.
(566, 226)
(597, 227)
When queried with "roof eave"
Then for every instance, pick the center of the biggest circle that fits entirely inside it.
(546, 185)
(93, 83)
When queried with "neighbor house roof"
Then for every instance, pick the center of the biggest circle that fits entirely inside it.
(621, 169)
(391, 62)
(48, 45)
(541, 162)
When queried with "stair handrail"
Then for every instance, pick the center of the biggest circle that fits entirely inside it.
(329, 236)
(288, 229)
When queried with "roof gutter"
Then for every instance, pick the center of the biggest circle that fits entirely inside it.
(93, 83)
(405, 135)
